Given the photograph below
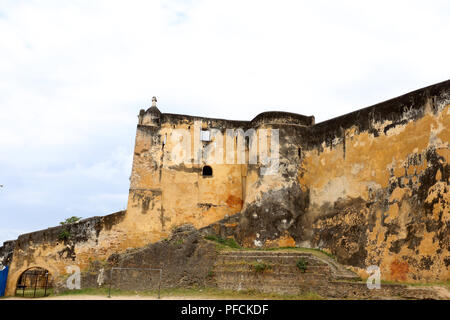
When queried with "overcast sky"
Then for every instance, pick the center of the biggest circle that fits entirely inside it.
(74, 75)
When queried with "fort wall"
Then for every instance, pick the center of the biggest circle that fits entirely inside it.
(371, 187)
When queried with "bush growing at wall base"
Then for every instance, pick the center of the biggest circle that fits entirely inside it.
(302, 265)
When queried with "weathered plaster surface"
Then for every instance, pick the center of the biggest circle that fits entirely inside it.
(371, 187)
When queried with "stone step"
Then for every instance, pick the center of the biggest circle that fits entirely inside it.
(251, 282)
(292, 260)
(337, 271)
(346, 277)
(281, 279)
(273, 287)
(290, 289)
(275, 268)
(267, 289)
(235, 271)
(272, 282)
(264, 253)
(237, 275)
(272, 264)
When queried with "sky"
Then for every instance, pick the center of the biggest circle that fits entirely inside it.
(74, 75)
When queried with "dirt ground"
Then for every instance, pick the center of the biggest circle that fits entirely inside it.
(442, 293)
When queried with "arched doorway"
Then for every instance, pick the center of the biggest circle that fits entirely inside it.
(34, 282)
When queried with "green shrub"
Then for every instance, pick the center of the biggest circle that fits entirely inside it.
(302, 264)
(64, 235)
(261, 267)
(70, 220)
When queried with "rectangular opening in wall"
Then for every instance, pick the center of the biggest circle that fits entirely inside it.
(205, 135)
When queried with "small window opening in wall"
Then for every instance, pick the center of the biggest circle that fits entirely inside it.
(205, 135)
(299, 152)
(207, 171)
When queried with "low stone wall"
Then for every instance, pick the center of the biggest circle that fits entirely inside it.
(72, 245)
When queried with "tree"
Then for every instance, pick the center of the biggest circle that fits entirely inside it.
(70, 220)
(65, 234)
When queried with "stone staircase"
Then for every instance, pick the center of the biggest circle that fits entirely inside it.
(277, 272)
(238, 270)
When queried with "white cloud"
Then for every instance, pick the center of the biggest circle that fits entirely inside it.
(73, 76)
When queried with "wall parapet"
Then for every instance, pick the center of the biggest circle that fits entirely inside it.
(79, 231)
(397, 111)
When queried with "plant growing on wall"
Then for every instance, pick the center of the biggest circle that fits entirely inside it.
(65, 234)
(70, 220)
(302, 265)
(261, 267)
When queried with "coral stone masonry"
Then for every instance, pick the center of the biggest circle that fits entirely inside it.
(370, 188)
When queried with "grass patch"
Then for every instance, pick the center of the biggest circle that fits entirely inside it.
(228, 242)
(98, 292)
(211, 293)
(29, 293)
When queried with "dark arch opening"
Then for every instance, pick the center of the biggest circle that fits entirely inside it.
(207, 171)
(34, 282)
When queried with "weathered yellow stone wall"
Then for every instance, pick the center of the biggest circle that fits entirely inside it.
(371, 187)
(93, 239)
(400, 178)
(165, 194)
